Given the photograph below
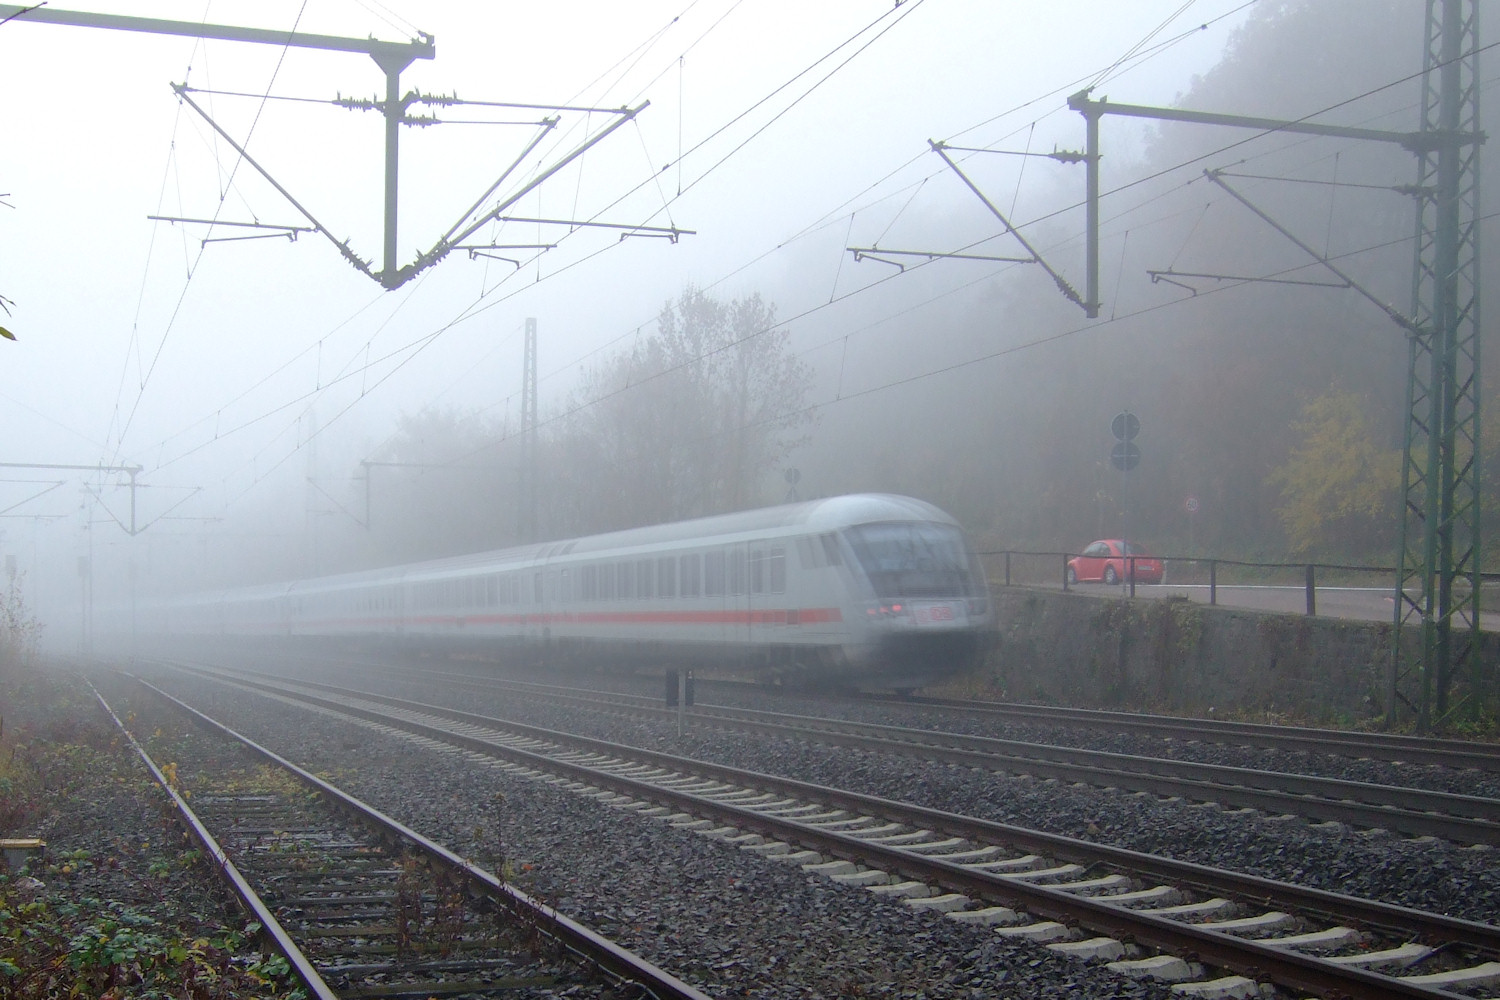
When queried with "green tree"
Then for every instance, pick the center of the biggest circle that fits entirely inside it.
(20, 630)
(1338, 486)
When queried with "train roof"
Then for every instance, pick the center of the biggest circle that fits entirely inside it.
(814, 516)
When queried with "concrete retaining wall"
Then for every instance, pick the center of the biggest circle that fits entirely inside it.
(1178, 657)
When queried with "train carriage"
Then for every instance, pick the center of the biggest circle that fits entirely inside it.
(869, 590)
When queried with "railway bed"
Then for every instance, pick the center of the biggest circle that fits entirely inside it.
(1463, 818)
(359, 905)
(1456, 766)
(1407, 871)
(1288, 958)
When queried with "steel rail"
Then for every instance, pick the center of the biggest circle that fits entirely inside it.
(271, 928)
(1379, 746)
(1286, 787)
(582, 941)
(1299, 971)
(1459, 754)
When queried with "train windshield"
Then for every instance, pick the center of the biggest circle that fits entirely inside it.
(914, 559)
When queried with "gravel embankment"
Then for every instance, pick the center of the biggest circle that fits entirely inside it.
(733, 924)
(1428, 874)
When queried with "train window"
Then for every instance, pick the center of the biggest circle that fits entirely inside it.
(808, 554)
(588, 583)
(606, 583)
(736, 570)
(625, 580)
(692, 574)
(564, 586)
(645, 582)
(713, 573)
(776, 570)
(536, 587)
(831, 549)
(491, 591)
(666, 576)
(757, 570)
(914, 559)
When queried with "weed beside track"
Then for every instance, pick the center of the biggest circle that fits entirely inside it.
(119, 904)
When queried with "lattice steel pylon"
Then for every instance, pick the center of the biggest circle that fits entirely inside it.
(1435, 667)
(527, 500)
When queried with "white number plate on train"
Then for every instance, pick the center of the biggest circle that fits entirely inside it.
(946, 613)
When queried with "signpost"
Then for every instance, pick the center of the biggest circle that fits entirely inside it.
(1125, 455)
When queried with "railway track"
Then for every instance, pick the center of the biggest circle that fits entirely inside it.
(1461, 754)
(364, 907)
(1218, 933)
(1466, 819)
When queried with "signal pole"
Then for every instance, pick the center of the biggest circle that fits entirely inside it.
(527, 505)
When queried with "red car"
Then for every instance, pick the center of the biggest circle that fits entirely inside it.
(1105, 560)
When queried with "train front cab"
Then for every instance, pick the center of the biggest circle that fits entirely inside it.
(926, 607)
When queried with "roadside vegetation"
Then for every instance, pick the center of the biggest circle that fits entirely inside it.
(118, 905)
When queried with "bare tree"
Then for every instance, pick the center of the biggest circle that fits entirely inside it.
(690, 421)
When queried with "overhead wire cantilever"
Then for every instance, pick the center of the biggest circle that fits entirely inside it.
(942, 148)
(290, 232)
(880, 254)
(1169, 276)
(1067, 290)
(360, 265)
(628, 229)
(483, 250)
(467, 224)
(1397, 316)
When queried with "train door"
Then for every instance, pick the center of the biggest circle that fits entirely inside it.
(737, 595)
(397, 609)
(536, 613)
(757, 603)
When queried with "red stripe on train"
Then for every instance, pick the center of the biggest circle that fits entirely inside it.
(781, 616)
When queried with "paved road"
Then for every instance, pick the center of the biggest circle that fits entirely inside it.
(1356, 603)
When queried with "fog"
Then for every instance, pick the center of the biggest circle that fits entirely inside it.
(290, 417)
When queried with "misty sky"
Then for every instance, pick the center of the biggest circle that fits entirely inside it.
(210, 367)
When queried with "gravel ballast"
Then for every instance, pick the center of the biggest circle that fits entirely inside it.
(1419, 872)
(731, 923)
(739, 925)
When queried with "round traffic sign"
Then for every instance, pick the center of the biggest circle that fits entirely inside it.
(1125, 426)
(1125, 455)
(1191, 504)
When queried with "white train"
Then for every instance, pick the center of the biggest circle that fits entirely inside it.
(871, 590)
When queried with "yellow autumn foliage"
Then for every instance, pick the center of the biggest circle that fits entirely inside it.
(1339, 487)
